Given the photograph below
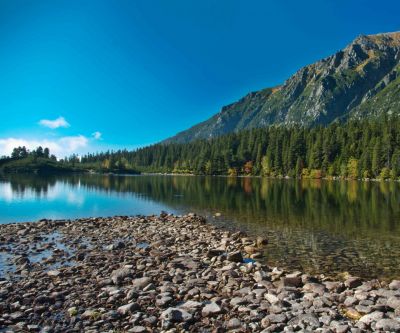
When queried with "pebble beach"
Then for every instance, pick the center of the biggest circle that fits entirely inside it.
(167, 273)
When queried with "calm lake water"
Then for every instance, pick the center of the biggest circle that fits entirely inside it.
(317, 226)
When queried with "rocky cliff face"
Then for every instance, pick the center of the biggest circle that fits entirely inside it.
(362, 80)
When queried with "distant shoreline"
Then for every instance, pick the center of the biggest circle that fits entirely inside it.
(64, 170)
(269, 177)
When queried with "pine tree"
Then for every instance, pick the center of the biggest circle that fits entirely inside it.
(377, 158)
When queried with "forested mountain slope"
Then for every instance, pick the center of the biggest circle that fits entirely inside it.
(362, 80)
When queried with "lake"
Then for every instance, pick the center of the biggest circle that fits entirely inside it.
(317, 226)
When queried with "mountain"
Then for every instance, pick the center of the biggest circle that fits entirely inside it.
(362, 80)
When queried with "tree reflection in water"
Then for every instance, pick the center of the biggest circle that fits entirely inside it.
(316, 225)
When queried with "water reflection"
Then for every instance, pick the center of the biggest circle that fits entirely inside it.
(319, 226)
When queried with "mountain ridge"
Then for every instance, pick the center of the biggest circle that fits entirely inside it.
(361, 80)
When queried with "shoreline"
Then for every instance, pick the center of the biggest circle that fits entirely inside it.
(119, 174)
(157, 273)
(335, 178)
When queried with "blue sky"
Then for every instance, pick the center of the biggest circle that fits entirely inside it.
(116, 74)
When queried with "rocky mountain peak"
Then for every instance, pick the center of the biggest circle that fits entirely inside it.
(361, 80)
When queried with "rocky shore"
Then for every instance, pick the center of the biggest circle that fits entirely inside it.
(170, 274)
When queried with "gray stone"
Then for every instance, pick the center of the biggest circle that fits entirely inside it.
(118, 275)
(138, 329)
(90, 314)
(390, 325)
(394, 285)
(271, 298)
(53, 273)
(110, 315)
(150, 286)
(150, 321)
(116, 246)
(234, 323)
(307, 319)
(275, 308)
(131, 294)
(259, 276)
(363, 308)
(393, 302)
(349, 301)
(341, 328)
(141, 283)
(237, 301)
(325, 319)
(277, 318)
(176, 315)
(128, 308)
(334, 286)
(259, 292)
(163, 301)
(314, 288)
(371, 317)
(384, 292)
(191, 305)
(265, 322)
(210, 309)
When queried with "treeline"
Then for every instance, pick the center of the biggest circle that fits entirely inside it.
(38, 160)
(110, 161)
(39, 152)
(355, 149)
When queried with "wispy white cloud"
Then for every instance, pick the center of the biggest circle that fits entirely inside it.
(56, 123)
(96, 135)
(60, 147)
(73, 143)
